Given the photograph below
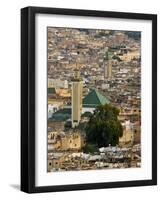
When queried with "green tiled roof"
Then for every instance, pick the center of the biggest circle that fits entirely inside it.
(62, 115)
(94, 98)
(51, 91)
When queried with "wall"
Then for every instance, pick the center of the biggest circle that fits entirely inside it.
(10, 98)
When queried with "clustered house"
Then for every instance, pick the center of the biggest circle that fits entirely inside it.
(107, 72)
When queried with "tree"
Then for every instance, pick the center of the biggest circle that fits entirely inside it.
(103, 127)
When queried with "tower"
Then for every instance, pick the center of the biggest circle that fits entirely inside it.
(108, 66)
(77, 87)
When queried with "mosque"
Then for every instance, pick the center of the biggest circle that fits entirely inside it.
(80, 107)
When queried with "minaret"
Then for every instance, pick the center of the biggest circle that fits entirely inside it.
(77, 87)
(108, 66)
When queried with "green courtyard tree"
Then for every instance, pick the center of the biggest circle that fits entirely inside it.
(103, 127)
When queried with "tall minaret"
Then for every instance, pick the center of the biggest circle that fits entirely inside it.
(108, 66)
(77, 87)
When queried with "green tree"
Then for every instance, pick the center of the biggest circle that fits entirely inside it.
(103, 127)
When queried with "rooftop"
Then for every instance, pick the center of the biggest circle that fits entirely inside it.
(94, 98)
(62, 114)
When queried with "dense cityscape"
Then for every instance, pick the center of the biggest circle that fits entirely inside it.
(90, 72)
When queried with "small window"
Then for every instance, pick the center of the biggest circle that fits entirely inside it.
(50, 163)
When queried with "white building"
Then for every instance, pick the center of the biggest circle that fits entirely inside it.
(57, 83)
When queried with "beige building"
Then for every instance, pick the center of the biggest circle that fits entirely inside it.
(131, 133)
(64, 142)
(130, 55)
(64, 93)
(56, 161)
(128, 134)
(77, 87)
(137, 132)
(57, 83)
(129, 114)
(74, 141)
(56, 125)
